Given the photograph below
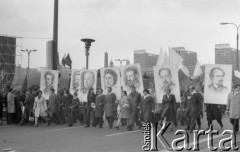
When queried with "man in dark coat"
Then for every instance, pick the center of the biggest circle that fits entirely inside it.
(67, 103)
(134, 100)
(147, 106)
(91, 97)
(75, 109)
(61, 108)
(213, 113)
(109, 105)
(53, 107)
(99, 108)
(28, 105)
(193, 105)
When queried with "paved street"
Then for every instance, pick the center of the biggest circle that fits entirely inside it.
(80, 139)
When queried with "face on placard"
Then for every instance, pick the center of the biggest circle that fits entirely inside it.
(217, 77)
(130, 78)
(165, 77)
(49, 80)
(109, 80)
(88, 80)
(76, 80)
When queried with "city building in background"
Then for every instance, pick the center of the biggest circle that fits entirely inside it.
(146, 60)
(224, 54)
(189, 58)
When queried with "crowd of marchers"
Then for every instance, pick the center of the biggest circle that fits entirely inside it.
(131, 110)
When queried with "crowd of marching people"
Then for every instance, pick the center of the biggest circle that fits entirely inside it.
(132, 110)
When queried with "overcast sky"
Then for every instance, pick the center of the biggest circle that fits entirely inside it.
(120, 27)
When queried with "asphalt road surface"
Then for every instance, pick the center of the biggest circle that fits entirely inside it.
(60, 138)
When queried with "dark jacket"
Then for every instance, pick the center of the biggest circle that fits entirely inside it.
(90, 99)
(75, 104)
(169, 107)
(193, 103)
(213, 112)
(99, 106)
(67, 101)
(134, 100)
(53, 105)
(109, 104)
(147, 107)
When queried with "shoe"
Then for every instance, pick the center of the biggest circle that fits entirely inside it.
(70, 125)
(93, 125)
(35, 125)
(100, 127)
(87, 126)
(117, 127)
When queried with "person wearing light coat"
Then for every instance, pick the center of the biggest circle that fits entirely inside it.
(233, 107)
(39, 107)
(10, 105)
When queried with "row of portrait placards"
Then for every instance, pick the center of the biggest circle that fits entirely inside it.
(218, 81)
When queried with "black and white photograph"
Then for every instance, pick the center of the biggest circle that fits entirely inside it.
(110, 77)
(131, 76)
(49, 80)
(218, 83)
(116, 75)
(166, 77)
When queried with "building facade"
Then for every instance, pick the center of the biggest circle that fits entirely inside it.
(189, 58)
(146, 60)
(224, 54)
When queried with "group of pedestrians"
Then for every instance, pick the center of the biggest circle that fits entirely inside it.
(131, 110)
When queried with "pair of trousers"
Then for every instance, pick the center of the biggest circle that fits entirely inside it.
(99, 121)
(110, 121)
(56, 117)
(193, 116)
(62, 115)
(25, 115)
(218, 120)
(235, 123)
(1, 111)
(90, 114)
(134, 118)
(76, 116)
(68, 116)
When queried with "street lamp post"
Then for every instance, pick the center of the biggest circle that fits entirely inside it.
(237, 27)
(87, 48)
(28, 52)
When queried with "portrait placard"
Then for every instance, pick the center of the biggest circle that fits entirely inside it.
(49, 79)
(110, 77)
(88, 79)
(218, 82)
(131, 75)
(75, 81)
(166, 76)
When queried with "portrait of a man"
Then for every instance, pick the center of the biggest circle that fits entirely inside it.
(218, 81)
(132, 76)
(88, 80)
(216, 76)
(49, 80)
(165, 76)
(75, 81)
(110, 78)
